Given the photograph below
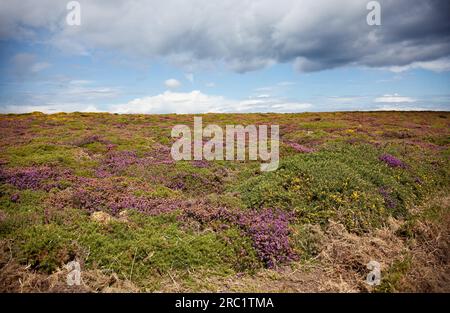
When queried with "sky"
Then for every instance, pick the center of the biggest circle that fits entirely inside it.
(201, 56)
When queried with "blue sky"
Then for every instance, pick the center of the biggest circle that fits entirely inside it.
(191, 65)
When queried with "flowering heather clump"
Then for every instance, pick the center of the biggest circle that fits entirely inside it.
(300, 148)
(269, 230)
(110, 195)
(90, 201)
(14, 124)
(392, 161)
(115, 162)
(33, 177)
(159, 155)
(177, 185)
(390, 202)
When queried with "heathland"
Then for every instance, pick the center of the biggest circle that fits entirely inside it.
(102, 189)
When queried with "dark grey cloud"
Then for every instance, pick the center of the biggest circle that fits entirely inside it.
(245, 35)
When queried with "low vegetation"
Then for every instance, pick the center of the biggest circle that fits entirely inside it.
(350, 188)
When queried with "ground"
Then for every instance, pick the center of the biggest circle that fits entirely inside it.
(103, 190)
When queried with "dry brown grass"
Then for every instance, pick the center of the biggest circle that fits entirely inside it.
(430, 252)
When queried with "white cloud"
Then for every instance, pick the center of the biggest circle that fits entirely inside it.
(346, 99)
(439, 65)
(286, 107)
(198, 102)
(50, 108)
(92, 109)
(173, 102)
(402, 108)
(172, 83)
(395, 98)
(62, 96)
(86, 90)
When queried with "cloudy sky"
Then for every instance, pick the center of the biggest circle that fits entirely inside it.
(145, 56)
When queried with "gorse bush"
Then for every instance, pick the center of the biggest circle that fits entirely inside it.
(344, 182)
